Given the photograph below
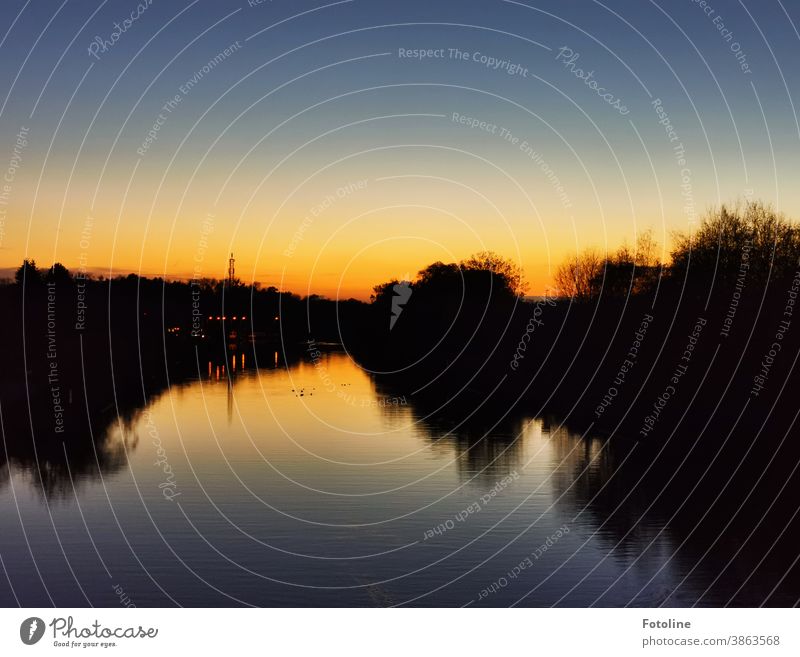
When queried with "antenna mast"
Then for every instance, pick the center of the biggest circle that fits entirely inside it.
(231, 270)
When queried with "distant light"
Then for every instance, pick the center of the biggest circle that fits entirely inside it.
(243, 318)
(276, 318)
(234, 318)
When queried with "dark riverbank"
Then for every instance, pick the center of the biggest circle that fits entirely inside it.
(83, 357)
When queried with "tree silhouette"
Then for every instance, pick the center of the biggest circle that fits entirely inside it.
(28, 273)
(578, 276)
(508, 271)
(629, 271)
(58, 273)
(752, 232)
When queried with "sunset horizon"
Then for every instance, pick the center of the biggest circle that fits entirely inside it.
(454, 306)
(287, 280)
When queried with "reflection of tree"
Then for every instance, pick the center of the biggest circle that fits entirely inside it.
(485, 445)
(54, 463)
(57, 470)
(4, 473)
(598, 481)
(696, 511)
(483, 453)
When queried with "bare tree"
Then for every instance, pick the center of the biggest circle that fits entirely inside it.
(579, 276)
(731, 234)
(646, 252)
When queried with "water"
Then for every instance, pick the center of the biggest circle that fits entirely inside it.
(308, 485)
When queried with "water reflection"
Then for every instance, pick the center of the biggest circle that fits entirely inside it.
(305, 481)
(55, 468)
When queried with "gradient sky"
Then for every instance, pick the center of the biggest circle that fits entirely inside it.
(328, 163)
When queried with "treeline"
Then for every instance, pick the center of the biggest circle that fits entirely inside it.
(748, 236)
(465, 329)
(185, 305)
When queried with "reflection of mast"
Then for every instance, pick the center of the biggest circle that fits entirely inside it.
(231, 270)
(230, 398)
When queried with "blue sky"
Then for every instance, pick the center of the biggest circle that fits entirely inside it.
(315, 95)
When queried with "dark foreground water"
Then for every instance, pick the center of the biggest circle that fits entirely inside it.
(307, 486)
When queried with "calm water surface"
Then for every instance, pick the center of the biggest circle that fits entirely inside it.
(308, 486)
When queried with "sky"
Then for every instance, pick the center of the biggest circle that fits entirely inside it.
(332, 146)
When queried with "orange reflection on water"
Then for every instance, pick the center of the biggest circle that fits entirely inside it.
(308, 416)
